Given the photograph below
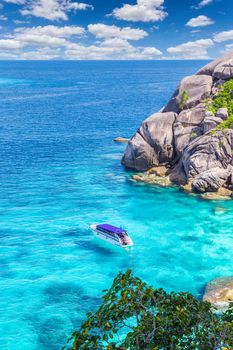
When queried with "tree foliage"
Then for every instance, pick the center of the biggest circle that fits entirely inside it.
(135, 316)
(224, 99)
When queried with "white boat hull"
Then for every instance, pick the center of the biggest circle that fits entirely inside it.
(108, 239)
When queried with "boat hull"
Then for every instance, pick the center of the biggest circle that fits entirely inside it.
(108, 239)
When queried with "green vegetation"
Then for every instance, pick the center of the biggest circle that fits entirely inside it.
(134, 316)
(193, 134)
(183, 99)
(224, 99)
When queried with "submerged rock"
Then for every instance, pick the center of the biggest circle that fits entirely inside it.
(121, 139)
(184, 137)
(163, 181)
(219, 292)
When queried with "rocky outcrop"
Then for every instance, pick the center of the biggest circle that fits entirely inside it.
(219, 292)
(152, 144)
(188, 126)
(224, 70)
(197, 88)
(183, 137)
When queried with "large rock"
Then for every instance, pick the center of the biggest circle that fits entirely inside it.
(188, 126)
(211, 180)
(153, 144)
(224, 70)
(222, 113)
(210, 122)
(139, 154)
(219, 292)
(198, 87)
(210, 67)
(185, 136)
(207, 152)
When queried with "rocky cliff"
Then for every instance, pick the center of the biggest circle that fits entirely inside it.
(188, 137)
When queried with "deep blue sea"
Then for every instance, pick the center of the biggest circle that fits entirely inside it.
(60, 170)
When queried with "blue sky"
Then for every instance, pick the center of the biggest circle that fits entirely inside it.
(115, 29)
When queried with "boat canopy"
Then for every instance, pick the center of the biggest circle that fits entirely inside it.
(110, 228)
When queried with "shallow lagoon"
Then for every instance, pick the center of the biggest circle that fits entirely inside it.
(61, 171)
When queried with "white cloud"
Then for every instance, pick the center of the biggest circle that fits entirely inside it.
(3, 18)
(116, 43)
(203, 3)
(111, 49)
(10, 44)
(30, 39)
(200, 21)
(143, 10)
(113, 44)
(51, 30)
(79, 6)
(102, 31)
(53, 10)
(45, 53)
(195, 31)
(192, 49)
(48, 35)
(223, 36)
(49, 42)
(8, 56)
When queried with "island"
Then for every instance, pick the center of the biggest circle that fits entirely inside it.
(189, 142)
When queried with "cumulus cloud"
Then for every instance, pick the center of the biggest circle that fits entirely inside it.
(111, 49)
(202, 4)
(45, 53)
(106, 31)
(50, 42)
(53, 10)
(200, 21)
(223, 36)
(48, 35)
(143, 10)
(51, 30)
(192, 49)
(10, 44)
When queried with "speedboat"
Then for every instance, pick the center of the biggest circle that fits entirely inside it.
(112, 234)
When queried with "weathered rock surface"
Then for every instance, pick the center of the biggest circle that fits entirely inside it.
(211, 180)
(224, 70)
(219, 292)
(139, 154)
(222, 113)
(188, 126)
(198, 87)
(153, 143)
(210, 67)
(183, 136)
(207, 152)
(210, 122)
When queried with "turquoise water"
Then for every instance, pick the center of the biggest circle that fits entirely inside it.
(60, 171)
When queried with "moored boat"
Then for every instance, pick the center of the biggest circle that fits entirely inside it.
(112, 234)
